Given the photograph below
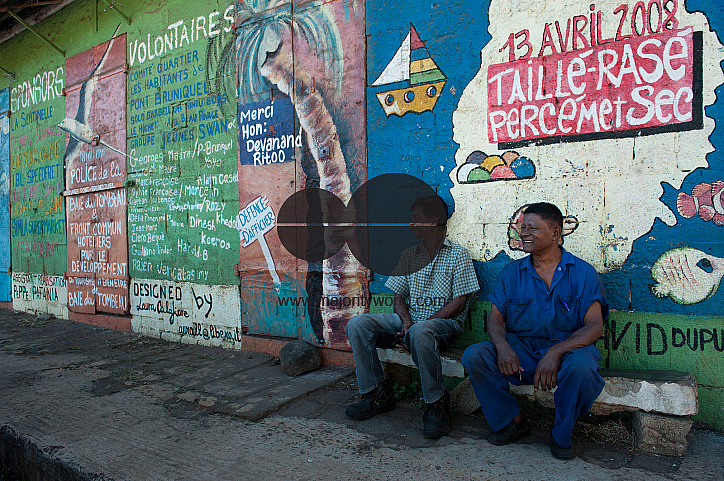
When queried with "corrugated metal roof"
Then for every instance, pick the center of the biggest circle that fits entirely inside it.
(31, 11)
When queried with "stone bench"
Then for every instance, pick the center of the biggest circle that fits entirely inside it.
(661, 401)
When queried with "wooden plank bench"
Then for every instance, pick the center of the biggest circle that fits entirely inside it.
(661, 401)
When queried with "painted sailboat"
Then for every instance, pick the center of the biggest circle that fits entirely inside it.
(415, 78)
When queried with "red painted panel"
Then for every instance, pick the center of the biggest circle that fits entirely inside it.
(95, 170)
(633, 84)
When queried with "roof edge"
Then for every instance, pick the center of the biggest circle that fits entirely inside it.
(33, 19)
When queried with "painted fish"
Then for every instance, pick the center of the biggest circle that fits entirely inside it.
(686, 275)
(705, 200)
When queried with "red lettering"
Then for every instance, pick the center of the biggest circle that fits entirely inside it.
(564, 45)
(578, 32)
(547, 41)
(621, 8)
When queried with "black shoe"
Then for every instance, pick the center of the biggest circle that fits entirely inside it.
(436, 420)
(509, 433)
(380, 400)
(561, 453)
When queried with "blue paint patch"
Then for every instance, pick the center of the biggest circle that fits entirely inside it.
(266, 132)
(422, 145)
(522, 168)
(691, 232)
(4, 196)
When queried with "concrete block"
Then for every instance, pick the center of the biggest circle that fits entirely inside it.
(450, 367)
(298, 357)
(463, 398)
(664, 392)
(661, 434)
(544, 398)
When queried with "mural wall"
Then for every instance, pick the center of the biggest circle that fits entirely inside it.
(301, 125)
(5, 286)
(95, 171)
(182, 175)
(159, 171)
(607, 109)
(37, 180)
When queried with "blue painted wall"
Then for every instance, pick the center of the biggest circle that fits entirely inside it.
(4, 196)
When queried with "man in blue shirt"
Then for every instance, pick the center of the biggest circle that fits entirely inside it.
(553, 306)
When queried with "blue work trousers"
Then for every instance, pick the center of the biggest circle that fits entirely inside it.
(578, 381)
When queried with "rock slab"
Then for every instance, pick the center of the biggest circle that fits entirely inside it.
(298, 357)
(463, 398)
(661, 434)
(665, 392)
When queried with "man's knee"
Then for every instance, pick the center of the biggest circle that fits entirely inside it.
(477, 357)
(420, 331)
(579, 364)
(356, 325)
(421, 339)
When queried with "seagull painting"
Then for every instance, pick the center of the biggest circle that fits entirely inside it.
(78, 129)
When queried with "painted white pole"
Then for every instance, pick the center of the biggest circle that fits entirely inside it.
(270, 263)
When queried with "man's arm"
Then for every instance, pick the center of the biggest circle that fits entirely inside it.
(451, 309)
(547, 371)
(508, 362)
(401, 310)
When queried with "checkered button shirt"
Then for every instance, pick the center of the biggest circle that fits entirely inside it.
(449, 275)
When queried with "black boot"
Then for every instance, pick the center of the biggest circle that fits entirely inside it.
(380, 400)
(436, 420)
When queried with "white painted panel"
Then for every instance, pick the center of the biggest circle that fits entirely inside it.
(186, 312)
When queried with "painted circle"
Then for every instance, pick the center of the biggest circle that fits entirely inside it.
(431, 91)
(389, 100)
(409, 96)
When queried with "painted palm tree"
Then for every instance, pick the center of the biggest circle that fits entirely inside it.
(266, 32)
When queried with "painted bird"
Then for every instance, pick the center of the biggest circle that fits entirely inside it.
(705, 200)
(78, 129)
(687, 275)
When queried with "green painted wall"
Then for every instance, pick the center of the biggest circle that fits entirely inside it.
(37, 147)
(183, 202)
(693, 344)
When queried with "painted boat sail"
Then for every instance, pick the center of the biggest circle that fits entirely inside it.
(423, 79)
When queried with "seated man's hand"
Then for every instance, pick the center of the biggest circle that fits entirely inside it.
(547, 371)
(508, 361)
(400, 336)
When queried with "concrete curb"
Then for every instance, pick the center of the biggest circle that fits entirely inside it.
(28, 460)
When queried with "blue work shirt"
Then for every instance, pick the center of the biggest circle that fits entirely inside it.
(532, 310)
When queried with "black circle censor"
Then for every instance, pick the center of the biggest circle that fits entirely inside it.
(314, 224)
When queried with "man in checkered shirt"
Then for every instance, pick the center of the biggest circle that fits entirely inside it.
(437, 279)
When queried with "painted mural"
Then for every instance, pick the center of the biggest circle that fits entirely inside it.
(301, 125)
(413, 66)
(705, 201)
(687, 275)
(182, 176)
(5, 285)
(95, 170)
(37, 208)
(606, 109)
(148, 168)
(601, 97)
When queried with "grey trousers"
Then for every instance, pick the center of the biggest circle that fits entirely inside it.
(425, 339)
